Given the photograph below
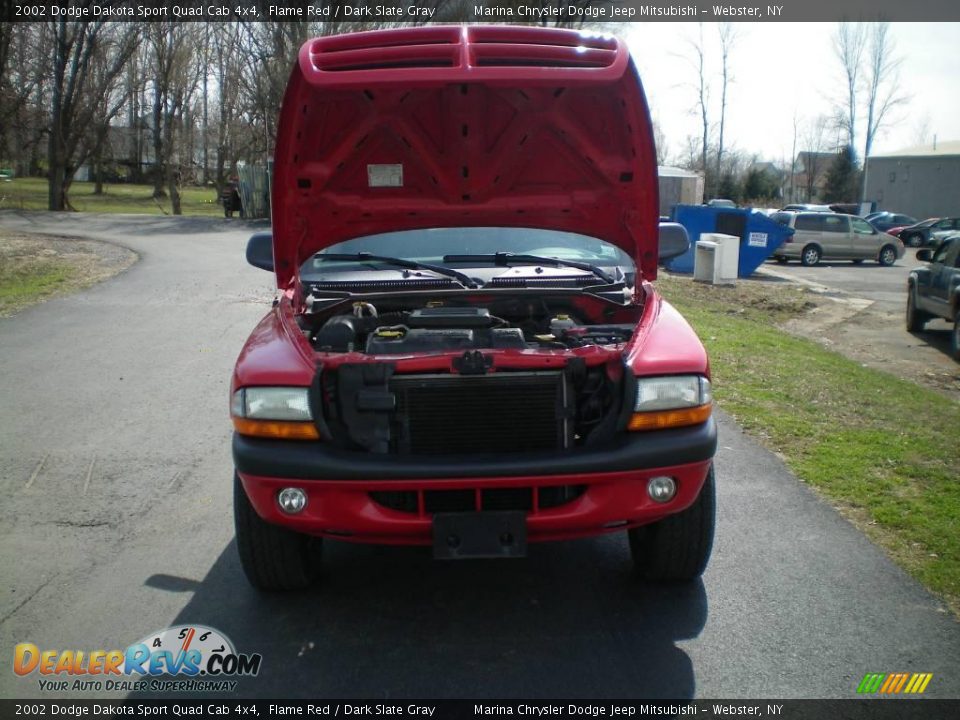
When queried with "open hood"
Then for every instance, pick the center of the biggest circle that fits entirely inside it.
(463, 126)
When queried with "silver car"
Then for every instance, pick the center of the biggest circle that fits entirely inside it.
(831, 236)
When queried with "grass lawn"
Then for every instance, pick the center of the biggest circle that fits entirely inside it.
(23, 283)
(33, 269)
(884, 451)
(31, 194)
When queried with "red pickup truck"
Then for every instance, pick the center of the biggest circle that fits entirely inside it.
(467, 351)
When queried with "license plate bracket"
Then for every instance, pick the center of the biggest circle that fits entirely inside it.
(461, 535)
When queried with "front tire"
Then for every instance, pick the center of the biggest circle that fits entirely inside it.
(810, 256)
(887, 256)
(678, 547)
(916, 319)
(273, 558)
(955, 336)
(914, 241)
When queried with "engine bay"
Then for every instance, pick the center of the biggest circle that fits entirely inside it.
(397, 327)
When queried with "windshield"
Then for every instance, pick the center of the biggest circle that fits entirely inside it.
(432, 245)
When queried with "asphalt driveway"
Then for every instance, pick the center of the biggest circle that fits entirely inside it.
(115, 521)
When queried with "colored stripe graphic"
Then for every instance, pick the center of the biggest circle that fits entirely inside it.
(871, 682)
(894, 683)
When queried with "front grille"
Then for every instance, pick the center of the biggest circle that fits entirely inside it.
(495, 413)
(527, 499)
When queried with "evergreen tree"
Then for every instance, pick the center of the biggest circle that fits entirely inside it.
(759, 185)
(728, 187)
(843, 178)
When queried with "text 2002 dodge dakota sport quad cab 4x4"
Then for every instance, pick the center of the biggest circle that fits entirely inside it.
(467, 351)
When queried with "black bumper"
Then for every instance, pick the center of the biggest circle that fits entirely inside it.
(316, 461)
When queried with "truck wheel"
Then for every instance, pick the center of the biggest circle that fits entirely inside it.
(955, 341)
(810, 255)
(887, 256)
(272, 557)
(916, 319)
(678, 547)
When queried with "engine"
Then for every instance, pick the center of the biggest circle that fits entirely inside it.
(460, 328)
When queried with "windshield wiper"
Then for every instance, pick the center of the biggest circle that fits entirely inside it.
(460, 277)
(509, 258)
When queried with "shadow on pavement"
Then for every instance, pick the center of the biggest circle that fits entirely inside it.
(569, 621)
(938, 337)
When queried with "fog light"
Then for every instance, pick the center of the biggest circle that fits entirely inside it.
(292, 500)
(661, 489)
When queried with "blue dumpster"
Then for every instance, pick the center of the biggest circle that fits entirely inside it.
(759, 235)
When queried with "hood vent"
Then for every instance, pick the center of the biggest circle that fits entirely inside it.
(449, 47)
(421, 47)
(515, 47)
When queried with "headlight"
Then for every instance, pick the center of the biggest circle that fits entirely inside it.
(672, 392)
(671, 401)
(272, 403)
(273, 412)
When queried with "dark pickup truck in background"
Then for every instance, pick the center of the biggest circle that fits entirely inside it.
(933, 290)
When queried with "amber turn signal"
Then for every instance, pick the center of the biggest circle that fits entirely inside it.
(276, 429)
(663, 419)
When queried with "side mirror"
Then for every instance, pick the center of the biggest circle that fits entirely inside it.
(925, 255)
(674, 240)
(260, 250)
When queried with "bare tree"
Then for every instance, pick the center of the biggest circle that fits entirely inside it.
(921, 130)
(175, 80)
(136, 90)
(226, 44)
(817, 154)
(269, 51)
(793, 159)
(77, 89)
(660, 142)
(883, 89)
(702, 88)
(849, 44)
(728, 38)
(24, 101)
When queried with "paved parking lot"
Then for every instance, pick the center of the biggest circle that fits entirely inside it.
(886, 286)
(115, 522)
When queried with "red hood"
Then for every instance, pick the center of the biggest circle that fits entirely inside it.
(463, 126)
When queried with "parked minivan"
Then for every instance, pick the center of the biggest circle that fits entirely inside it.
(831, 236)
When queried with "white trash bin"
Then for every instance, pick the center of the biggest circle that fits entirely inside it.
(716, 259)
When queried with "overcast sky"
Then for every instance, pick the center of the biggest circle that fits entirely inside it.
(784, 68)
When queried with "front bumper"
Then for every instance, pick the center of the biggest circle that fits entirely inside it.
(611, 481)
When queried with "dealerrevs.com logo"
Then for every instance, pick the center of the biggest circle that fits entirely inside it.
(185, 658)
